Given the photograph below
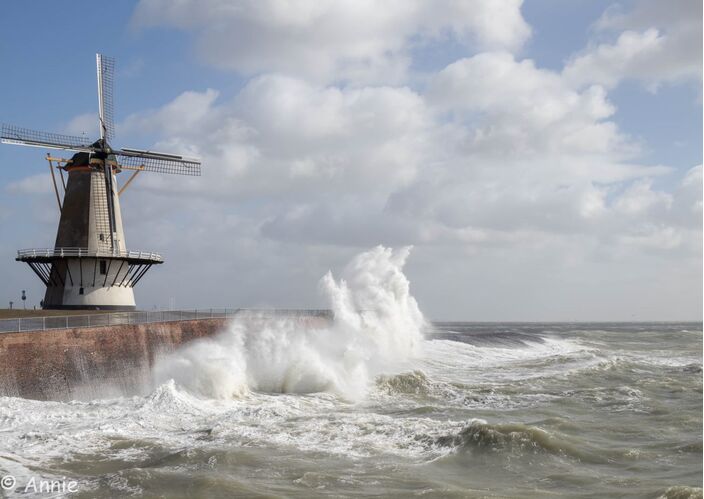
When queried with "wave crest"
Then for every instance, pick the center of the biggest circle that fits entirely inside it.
(682, 492)
(513, 439)
(409, 383)
(377, 325)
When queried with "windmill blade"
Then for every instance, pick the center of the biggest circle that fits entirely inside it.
(158, 162)
(25, 137)
(106, 72)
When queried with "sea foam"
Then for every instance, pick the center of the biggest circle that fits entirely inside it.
(377, 327)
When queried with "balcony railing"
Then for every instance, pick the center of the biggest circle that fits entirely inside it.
(85, 252)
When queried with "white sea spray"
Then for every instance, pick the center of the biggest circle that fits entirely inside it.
(377, 326)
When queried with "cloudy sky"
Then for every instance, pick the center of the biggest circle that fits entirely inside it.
(542, 157)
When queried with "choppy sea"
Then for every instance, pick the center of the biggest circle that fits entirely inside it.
(481, 410)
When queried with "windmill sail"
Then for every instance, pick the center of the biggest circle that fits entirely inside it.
(106, 70)
(12, 134)
(158, 162)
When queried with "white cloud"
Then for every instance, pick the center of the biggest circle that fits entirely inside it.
(285, 137)
(662, 238)
(495, 151)
(83, 125)
(186, 111)
(35, 184)
(509, 178)
(688, 198)
(333, 40)
(640, 197)
(657, 42)
(529, 109)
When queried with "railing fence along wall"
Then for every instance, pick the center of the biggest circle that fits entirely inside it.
(120, 318)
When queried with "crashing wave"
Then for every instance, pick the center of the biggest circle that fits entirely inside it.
(377, 326)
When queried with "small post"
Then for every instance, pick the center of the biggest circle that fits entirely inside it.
(66, 317)
(43, 323)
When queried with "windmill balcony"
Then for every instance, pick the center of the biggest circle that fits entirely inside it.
(83, 278)
(48, 254)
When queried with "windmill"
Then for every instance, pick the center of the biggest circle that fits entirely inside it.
(89, 266)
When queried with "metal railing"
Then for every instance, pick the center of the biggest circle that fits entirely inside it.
(85, 252)
(119, 318)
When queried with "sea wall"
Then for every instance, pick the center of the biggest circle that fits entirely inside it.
(96, 362)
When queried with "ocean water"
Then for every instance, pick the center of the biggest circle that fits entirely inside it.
(383, 403)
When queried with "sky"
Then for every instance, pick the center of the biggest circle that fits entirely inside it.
(542, 157)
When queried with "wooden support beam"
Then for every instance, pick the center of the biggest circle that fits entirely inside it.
(129, 180)
(53, 180)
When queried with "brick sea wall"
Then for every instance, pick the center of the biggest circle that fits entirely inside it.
(97, 362)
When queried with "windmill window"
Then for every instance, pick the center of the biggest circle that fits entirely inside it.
(102, 237)
(80, 291)
(103, 267)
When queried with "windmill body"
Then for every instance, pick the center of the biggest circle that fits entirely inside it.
(90, 265)
(100, 278)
